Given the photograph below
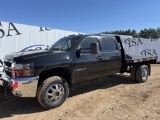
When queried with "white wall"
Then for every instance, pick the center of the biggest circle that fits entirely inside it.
(14, 37)
(142, 47)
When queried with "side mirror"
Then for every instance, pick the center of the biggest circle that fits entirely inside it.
(94, 48)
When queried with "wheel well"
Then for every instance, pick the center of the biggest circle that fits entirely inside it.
(61, 72)
(148, 64)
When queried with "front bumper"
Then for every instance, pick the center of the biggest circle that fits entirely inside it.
(27, 87)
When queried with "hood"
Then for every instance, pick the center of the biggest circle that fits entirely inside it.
(42, 59)
(29, 55)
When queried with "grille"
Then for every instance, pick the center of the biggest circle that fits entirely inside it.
(8, 73)
(7, 68)
(8, 64)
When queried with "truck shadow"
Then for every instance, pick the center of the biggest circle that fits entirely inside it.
(11, 106)
(101, 83)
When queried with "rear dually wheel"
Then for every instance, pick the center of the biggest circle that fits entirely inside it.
(142, 73)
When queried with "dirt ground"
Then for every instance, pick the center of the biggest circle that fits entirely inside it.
(116, 97)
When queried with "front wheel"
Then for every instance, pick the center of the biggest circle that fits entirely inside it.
(52, 92)
(142, 73)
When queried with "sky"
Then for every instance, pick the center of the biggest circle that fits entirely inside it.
(87, 16)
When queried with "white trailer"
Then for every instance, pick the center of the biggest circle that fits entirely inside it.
(14, 37)
(142, 47)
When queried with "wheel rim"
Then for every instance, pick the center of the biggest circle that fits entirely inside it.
(144, 74)
(55, 93)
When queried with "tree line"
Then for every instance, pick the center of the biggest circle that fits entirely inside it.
(150, 33)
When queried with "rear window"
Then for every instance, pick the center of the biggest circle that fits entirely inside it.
(108, 44)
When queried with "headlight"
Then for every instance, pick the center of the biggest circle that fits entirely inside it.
(22, 70)
(17, 66)
(28, 69)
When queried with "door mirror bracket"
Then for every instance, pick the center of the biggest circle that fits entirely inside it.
(78, 52)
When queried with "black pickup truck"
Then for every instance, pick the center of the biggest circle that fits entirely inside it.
(49, 74)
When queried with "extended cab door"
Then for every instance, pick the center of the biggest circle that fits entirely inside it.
(112, 55)
(87, 66)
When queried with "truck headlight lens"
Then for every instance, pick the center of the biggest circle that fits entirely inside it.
(28, 69)
(22, 70)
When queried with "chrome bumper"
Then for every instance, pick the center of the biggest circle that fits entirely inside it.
(27, 87)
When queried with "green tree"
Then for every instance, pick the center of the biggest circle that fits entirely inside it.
(134, 33)
(150, 33)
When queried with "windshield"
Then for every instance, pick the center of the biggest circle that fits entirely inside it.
(65, 44)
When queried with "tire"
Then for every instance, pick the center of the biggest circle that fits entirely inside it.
(133, 72)
(142, 73)
(52, 92)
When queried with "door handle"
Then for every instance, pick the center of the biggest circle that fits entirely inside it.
(99, 57)
(117, 55)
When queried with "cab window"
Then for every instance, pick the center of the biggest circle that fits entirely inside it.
(108, 44)
(86, 43)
